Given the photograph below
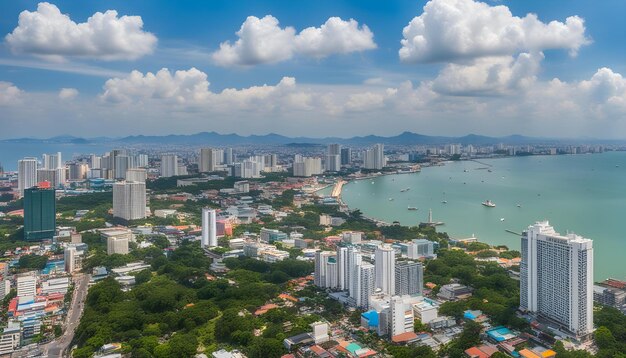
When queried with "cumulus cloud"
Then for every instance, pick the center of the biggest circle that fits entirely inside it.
(68, 93)
(489, 75)
(191, 88)
(264, 41)
(49, 34)
(336, 36)
(453, 30)
(9, 93)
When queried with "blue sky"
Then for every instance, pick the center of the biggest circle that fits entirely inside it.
(533, 77)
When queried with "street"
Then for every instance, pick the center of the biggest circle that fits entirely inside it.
(58, 347)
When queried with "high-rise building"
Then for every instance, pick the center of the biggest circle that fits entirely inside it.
(209, 228)
(306, 166)
(53, 161)
(354, 261)
(5, 287)
(374, 158)
(332, 163)
(69, 258)
(27, 284)
(556, 275)
(409, 278)
(136, 174)
(117, 245)
(322, 276)
(365, 284)
(419, 248)
(228, 156)
(129, 200)
(39, 213)
(47, 175)
(401, 317)
(249, 168)
(385, 262)
(26, 174)
(346, 156)
(78, 171)
(342, 268)
(141, 161)
(169, 165)
(208, 160)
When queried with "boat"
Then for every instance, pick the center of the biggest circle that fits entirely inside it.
(372, 182)
(405, 189)
(519, 205)
(411, 208)
(444, 202)
(390, 199)
(489, 204)
(501, 219)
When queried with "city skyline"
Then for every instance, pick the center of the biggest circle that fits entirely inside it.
(343, 69)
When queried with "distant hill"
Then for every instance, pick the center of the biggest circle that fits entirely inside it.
(217, 139)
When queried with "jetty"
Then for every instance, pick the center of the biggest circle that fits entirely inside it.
(336, 193)
(430, 221)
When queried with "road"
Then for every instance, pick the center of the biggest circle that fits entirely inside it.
(58, 347)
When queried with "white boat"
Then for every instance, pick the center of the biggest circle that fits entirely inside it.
(501, 219)
(411, 208)
(390, 199)
(489, 204)
(444, 202)
(519, 205)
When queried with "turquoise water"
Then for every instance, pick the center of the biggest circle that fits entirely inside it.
(585, 194)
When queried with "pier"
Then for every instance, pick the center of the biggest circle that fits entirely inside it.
(336, 193)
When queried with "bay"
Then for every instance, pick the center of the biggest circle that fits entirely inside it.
(585, 194)
(10, 153)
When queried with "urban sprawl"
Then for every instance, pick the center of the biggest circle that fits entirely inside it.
(178, 251)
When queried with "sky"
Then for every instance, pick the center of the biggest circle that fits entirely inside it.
(313, 68)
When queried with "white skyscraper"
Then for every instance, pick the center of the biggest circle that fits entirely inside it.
(69, 258)
(385, 262)
(342, 268)
(136, 174)
(169, 165)
(322, 275)
(129, 200)
(306, 166)
(365, 284)
(374, 158)
(209, 159)
(209, 228)
(332, 161)
(26, 174)
(556, 275)
(401, 318)
(354, 261)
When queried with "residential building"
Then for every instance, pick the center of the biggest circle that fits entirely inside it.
(374, 158)
(420, 248)
(342, 268)
(26, 285)
(365, 284)
(169, 165)
(136, 174)
(401, 317)
(26, 174)
(346, 156)
(209, 228)
(208, 160)
(385, 262)
(129, 200)
(117, 245)
(556, 275)
(306, 166)
(409, 278)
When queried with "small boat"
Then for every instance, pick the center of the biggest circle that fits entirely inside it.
(501, 219)
(465, 170)
(444, 202)
(519, 205)
(411, 208)
(489, 170)
(489, 204)
(390, 199)
(372, 182)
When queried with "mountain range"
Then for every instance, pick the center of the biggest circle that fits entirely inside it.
(217, 139)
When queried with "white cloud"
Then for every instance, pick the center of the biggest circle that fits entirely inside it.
(68, 93)
(452, 30)
(9, 93)
(181, 87)
(263, 41)
(489, 75)
(336, 36)
(49, 34)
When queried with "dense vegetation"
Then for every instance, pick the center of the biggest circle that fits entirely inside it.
(32, 262)
(174, 310)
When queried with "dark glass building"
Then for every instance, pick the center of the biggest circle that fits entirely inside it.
(39, 213)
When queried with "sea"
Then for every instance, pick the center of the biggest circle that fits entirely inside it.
(10, 153)
(584, 194)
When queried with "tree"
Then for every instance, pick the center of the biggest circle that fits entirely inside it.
(604, 338)
(32, 262)
(265, 348)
